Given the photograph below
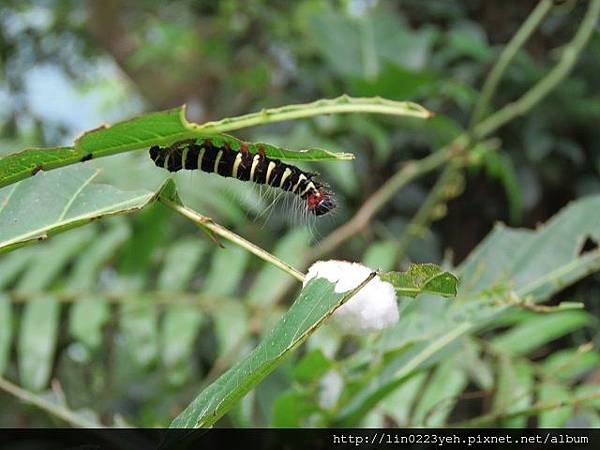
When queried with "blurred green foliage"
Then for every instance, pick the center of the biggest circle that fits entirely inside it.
(110, 339)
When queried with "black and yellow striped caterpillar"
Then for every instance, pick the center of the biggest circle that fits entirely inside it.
(205, 155)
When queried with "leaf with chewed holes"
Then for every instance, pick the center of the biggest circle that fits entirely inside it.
(52, 202)
(421, 279)
(167, 127)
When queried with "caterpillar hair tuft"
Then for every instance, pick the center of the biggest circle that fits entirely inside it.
(205, 155)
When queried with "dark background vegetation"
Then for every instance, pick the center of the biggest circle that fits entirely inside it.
(225, 58)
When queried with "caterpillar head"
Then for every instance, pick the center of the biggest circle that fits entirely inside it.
(320, 202)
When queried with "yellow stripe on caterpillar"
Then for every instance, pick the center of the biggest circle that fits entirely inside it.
(236, 165)
(255, 162)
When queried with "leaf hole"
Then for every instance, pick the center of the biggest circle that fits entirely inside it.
(589, 245)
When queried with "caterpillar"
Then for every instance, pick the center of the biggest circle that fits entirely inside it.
(205, 155)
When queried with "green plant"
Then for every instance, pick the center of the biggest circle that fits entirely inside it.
(502, 283)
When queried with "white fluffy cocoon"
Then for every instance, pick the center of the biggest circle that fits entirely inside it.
(371, 309)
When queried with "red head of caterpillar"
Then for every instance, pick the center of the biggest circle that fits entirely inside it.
(243, 165)
(320, 202)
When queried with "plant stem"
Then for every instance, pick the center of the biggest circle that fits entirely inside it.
(343, 104)
(422, 218)
(493, 418)
(506, 56)
(157, 297)
(219, 230)
(55, 410)
(423, 215)
(464, 141)
(408, 173)
(549, 82)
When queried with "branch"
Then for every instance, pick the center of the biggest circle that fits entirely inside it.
(480, 131)
(219, 230)
(423, 216)
(204, 302)
(509, 52)
(410, 171)
(51, 408)
(549, 82)
(493, 418)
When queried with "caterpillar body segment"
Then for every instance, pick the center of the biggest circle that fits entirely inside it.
(243, 165)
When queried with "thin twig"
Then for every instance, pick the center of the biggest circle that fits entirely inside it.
(408, 173)
(423, 216)
(462, 142)
(223, 232)
(508, 53)
(549, 82)
(495, 417)
(51, 408)
(157, 297)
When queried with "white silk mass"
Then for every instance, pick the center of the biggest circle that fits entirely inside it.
(372, 309)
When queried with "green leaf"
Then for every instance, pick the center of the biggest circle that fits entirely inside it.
(88, 315)
(514, 391)
(139, 327)
(166, 127)
(554, 418)
(92, 259)
(536, 263)
(157, 128)
(311, 367)
(150, 228)
(226, 271)
(12, 265)
(227, 268)
(341, 104)
(181, 263)
(231, 322)
(277, 152)
(37, 342)
(181, 322)
(359, 46)
(33, 210)
(592, 392)
(422, 278)
(270, 281)
(50, 259)
(40, 322)
(6, 331)
(290, 408)
(537, 331)
(178, 333)
(402, 363)
(400, 403)
(315, 303)
(532, 265)
(142, 132)
(31, 161)
(570, 364)
(86, 319)
(440, 394)
(474, 362)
